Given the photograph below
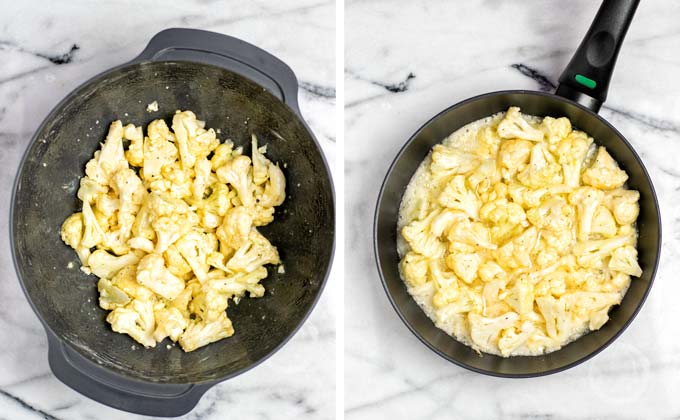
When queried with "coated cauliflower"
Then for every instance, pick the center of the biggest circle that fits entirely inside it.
(604, 172)
(515, 126)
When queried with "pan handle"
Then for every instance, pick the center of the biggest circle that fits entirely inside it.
(226, 52)
(106, 387)
(586, 78)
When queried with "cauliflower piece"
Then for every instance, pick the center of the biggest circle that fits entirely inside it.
(175, 263)
(131, 193)
(604, 172)
(110, 158)
(203, 178)
(490, 271)
(443, 220)
(586, 200)
(555, 129)
(447, 289)
(212, 209)
(513, 156)
(485, 332)
(603, 222)
(209, 304)
(471, 233)
(591, 254)
(553, 214)
(136, 319)
(201, 333)
(274, 192)
(624, 205)
(413, 268)
(159, 130)
(222, 154)
(171, 218)
(93, 234)
(504, 216)
(126, 280)
(260, 162)
(465, 266)
(521, 296)
(419, 237)
(105, 265)
(110, 296)
(515, 126)
(571, 154)
(159, 151)
(456, 196)
(72, 235)
(255, 252)
(542, 170)
(516, 252)
(555, 315)
(488, 143)
(135, 152)
(484, 177)
(192, 139)
(169, 323)
(624, 260)
(90, 190)
(510, 339)
(452, 161)
(195, 248)
(152, 273)
(237, 173)
(235, 227)
(561, 241)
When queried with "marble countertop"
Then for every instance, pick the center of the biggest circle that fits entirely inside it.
(46, 50)
(408, 60)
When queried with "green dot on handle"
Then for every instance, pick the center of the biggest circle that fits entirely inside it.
(589, 83)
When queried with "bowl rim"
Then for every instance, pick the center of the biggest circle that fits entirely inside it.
(118, 373)
(377, 246)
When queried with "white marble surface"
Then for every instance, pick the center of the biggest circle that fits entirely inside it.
(457, 50)
(298, 381)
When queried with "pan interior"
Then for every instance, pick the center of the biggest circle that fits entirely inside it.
(66, 299)
(408, 160)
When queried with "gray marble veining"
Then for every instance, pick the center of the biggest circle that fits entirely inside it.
(46, 50)
(408, 60)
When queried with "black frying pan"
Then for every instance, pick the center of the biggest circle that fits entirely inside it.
(235, 87)
(581, 92)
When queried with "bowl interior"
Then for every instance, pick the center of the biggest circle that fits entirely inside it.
(408, 160)
(45, 194)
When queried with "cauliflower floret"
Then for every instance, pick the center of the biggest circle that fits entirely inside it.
(419, 237)
(235, 227)
(413, 268)
(135, 152)
(554, 214)
(195, 248)
(141, 244)
(605, 172)
(624, 260)
(222, 154)
(542, 170)
(490, 271)
(586, 200)
(90, 189)
(260, 162)
(105, 265)
(110, 296)
(238, 284)
(591, 254)
(169, 323)
(555, 129)
(152, 273)
(504, 216)
(192, 139)
(555, 315)
(72, 235)
(200, 333)
(471, 233)
(209, 304)
(484, 331)
(110, 158)
(447, 287)
(484, 177)
(513, 156)
(204, 177)
(212, 209)
(255, 252)
(624, 205)
(136, 319)
(510, 339)
(93, 234)
(456, 196)
(514, 126)
(159, 152)
(517, 252)
(464, 265)
(126, 280)
(274, 192)
(237, 173)
(488, 143)
(521, 296)
(603, 222)
(571, 153)
(452, 160)
(175, 263)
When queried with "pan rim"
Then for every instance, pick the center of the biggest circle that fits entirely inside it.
(377, 246)
(111, 368)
